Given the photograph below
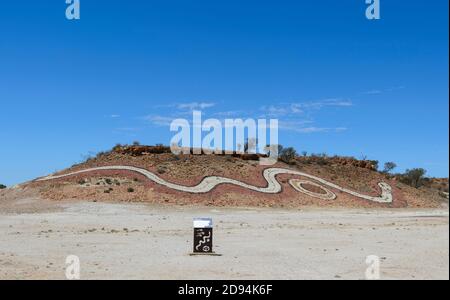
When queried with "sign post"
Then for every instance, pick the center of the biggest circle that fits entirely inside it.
(203, 236)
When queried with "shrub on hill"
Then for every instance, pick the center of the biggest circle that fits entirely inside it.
(288, 154)
(389, 167)
(414, 177)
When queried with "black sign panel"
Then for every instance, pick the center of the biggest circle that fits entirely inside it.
(203, 240)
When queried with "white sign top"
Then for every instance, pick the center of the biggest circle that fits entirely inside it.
(203, 223)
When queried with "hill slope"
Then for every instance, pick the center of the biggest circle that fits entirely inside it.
(150, 174)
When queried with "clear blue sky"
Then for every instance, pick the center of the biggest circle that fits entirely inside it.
(337, 82)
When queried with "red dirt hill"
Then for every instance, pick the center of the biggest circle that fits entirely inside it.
(189, 170)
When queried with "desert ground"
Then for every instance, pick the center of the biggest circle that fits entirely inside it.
(150, 241)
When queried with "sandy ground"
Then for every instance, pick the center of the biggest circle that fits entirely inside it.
(135, 241)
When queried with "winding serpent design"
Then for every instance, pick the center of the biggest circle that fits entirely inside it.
(273, 186)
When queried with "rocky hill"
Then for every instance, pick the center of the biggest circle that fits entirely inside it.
(153, 174)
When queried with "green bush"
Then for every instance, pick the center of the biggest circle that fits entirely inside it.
(269, 149)
(288, 154)
(2, 186)
(389, 167)
(414, 177)
(117, 148)
(375, 164)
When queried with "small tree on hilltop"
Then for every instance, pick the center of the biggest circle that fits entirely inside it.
(280, 149)
(414, 177)
(375, 164)
(117, 148)
(250, 145)
(389, 167)
(288, 154)
(2, 186)
(277, 148)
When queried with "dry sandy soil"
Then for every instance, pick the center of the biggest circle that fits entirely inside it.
(150, 241)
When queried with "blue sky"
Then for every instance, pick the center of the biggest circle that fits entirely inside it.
(338, 83)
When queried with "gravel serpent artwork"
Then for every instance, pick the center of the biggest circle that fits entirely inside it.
(273, 186)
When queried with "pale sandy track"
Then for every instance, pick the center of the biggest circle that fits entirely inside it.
(130, 241)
